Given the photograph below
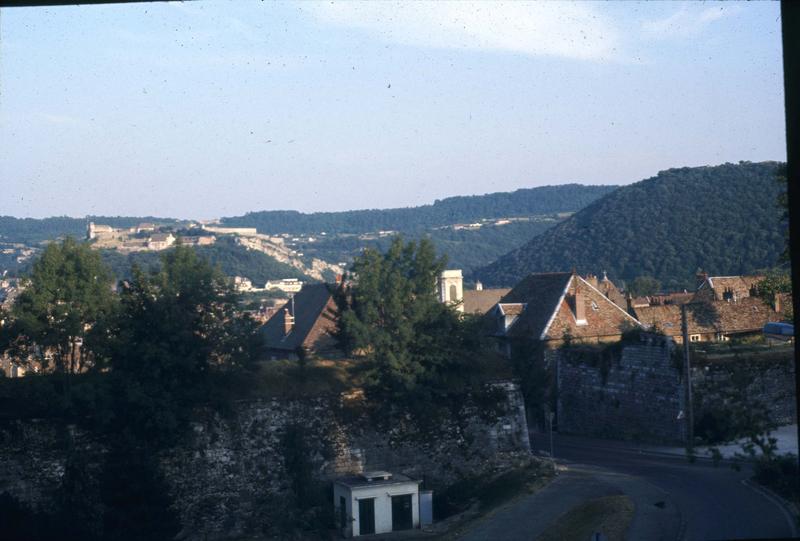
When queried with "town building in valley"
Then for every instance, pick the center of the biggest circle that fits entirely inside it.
(307, 322)
(287, 285)
(160, 241)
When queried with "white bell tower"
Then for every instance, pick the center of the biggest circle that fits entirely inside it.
(451, 288)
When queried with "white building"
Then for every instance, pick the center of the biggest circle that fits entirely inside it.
(451, 288)
(96, 231)
(378, 502)
(242, 284)
(160, 241)
(287, 285)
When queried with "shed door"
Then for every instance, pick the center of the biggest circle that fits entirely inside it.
(402, 518)
(366, 516)
(342, 513)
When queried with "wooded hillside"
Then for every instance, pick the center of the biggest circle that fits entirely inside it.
(723, 219)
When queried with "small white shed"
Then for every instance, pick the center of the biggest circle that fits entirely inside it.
(376, 502)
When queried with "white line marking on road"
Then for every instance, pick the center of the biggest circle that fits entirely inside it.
(776, 501)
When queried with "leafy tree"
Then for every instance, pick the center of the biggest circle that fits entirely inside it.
(177, 336)
(412, 343)
(644, 285)
(721, 218)
(55, 318)
(776, 282)
(783, 204)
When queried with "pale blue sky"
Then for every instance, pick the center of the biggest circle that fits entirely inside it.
(211, 109)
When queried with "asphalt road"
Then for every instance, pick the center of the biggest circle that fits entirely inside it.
(712, 502)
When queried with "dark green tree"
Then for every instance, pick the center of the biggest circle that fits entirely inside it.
(411, 343)
(644, 285)
(776, 283)
(783, 204)
(177, 338)
(54, 320)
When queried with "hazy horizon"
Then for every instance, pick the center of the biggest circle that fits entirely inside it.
(210, 109)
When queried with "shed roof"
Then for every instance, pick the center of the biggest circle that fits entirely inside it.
(357, 481)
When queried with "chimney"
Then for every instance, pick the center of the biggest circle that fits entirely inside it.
(288, 322)
(478, 286)
(580, 307)
(700, 277)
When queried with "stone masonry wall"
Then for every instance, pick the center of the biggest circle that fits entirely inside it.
(636, 394)
(231, 479)
(766, 379)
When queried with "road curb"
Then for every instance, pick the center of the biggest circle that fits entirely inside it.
(789, 509)
(663, 454)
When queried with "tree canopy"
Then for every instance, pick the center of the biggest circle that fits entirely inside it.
(412, 343)
(177, 331)
(723, 219)
(54, 320)
(460, 209)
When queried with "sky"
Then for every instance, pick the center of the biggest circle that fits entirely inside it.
(207, 109)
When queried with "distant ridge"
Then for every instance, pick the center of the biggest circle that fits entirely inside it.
(723, 219)
(458, 209)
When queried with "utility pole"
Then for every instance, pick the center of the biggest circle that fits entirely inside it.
(689, 407)
(550, 415)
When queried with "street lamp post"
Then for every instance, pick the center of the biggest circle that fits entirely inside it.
(550, 416)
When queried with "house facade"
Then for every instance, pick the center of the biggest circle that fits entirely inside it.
(307, 321)
(376, 503)
(160, 241)
(726, 288)
(554, 308)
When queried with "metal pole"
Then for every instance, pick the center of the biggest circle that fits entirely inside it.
(550, 416)
(689, 407)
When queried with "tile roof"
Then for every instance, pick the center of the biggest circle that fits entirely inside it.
(481, 301)
(550, 308)
(746, 315)
(511, 308)
(542, 293)
(309, 305)
(740, 285)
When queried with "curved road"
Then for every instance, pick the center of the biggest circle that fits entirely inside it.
(675, 499)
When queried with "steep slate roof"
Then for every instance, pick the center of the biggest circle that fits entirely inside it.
(160, 237)
(542, 293)
(309, 305)
(746, 315)
(481, 301)
(550, 300)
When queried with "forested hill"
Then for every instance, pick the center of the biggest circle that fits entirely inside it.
(723, 219)
(461, 209)
(34, 230)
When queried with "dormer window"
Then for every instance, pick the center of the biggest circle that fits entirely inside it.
(728, 295)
